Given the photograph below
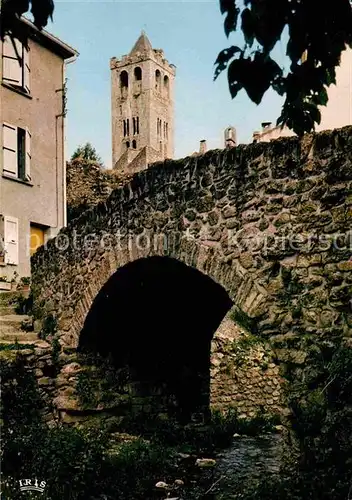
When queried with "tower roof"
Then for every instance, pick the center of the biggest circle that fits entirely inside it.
(142, 44)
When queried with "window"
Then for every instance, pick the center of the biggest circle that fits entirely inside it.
(158, 126)
(167, 130)
(137, 73)
(134, 144)
(127, 144)
(124, 79)
(15, 64)
(166, 85)
(21, 148)
(135, 122)
(16, 152)
(11, 240)
(157, 80)
(126, 127)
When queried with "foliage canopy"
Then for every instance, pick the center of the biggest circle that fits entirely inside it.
(319, 31)
(87, 152)
(12, 10)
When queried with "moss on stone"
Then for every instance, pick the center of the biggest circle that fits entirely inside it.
(49, 326)
(86, 390)
(15, 347)
(8, 355)
(244, 320)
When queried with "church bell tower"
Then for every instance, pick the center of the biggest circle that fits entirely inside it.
(142, 105)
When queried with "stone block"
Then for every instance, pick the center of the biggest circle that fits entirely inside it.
(45, 381)
(229, 211)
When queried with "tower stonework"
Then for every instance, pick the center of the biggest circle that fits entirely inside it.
(142, 107)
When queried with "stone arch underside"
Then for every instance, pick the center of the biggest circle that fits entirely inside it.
(155, 319)
(241, 286)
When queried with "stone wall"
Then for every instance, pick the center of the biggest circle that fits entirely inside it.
(244, 372)
(243, 377)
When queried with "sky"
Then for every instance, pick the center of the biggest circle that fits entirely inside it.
(191, 34)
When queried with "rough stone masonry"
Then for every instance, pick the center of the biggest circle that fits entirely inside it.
(270, 222)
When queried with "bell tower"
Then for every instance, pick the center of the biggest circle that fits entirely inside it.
(142, 105)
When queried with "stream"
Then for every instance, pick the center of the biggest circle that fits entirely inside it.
(247, 459)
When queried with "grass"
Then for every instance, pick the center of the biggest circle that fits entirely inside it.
(216, 434)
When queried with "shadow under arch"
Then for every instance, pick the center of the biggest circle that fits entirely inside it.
(156, 317)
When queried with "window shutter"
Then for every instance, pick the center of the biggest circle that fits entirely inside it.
(11, 240)
(28, 155)
(26, 69)
(10, 149)
(12, 71)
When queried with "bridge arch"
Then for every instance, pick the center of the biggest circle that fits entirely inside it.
(155, 319)
(240, 286)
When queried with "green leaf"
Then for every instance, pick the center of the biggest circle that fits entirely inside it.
(313, 112)
(236, 75)
(223, 59)
(269, 19)
(230, 23)
(259, 75)
(330, 76)
(227, 5)
(279, 85)
(323, 97)
(248, 26)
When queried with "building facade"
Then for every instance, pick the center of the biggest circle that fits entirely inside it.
(142, 107)
(336, 114)
(33, 176)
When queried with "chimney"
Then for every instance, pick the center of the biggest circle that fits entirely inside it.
(256, 136)
(203, 147)
(230, 137)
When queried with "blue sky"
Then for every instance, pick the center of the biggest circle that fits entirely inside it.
(191, 34)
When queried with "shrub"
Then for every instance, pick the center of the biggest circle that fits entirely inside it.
(74, 462)
(23, 305)
(322, 421)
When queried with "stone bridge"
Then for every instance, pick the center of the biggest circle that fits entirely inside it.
(268, 224)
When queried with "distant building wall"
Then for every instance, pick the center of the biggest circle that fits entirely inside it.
(338, 111)
(336, 114)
